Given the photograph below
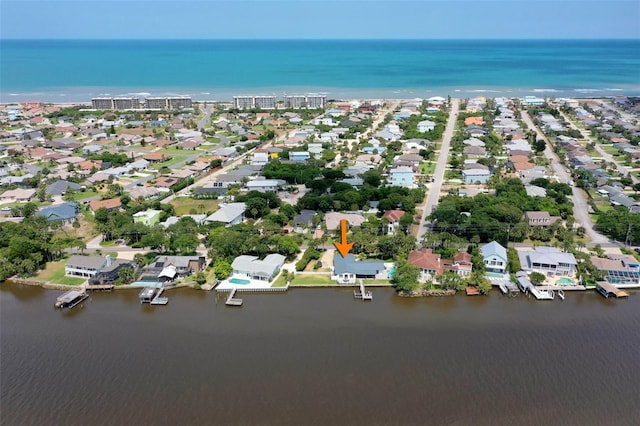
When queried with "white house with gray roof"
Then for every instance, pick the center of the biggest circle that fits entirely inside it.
(253, 268)
(548, 261)
(229, 214)
(85, 266)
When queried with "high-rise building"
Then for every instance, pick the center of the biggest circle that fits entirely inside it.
(248, 102)
(102, 103)
(155, 103)
(179, 102)
(126, 103)
(310, 101)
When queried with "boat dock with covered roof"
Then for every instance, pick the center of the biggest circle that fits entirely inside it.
(607, 290)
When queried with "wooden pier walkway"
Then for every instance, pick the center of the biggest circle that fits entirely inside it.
(363, 293)
(100, 287)
(231, 300)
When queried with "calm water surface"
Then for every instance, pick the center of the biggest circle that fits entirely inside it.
(317, 357)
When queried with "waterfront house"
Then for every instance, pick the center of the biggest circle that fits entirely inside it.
(347, 269)
(183, 265)
(548, 261)
(109, 274)
(85, 266)
(621, 271)
(229, 214)
(494, 257)
(431, 265)
(147, 217)
(253, 268)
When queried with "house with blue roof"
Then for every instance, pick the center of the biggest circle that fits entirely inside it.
(347, 269)
(65, 212)
(494, 257)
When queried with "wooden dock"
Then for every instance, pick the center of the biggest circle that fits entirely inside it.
(100, 287)
(607, 290)
(472, 291)
(231, 300)
(507, 287)
(363, 293)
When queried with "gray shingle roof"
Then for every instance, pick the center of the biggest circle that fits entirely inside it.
(349, 264)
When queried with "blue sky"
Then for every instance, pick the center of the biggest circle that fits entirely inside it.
(366, 19)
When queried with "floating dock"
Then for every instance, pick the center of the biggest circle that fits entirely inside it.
(231, 300)
(607, 290)
(71, 299)
(363, 293)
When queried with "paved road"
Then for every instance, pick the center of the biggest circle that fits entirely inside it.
(578, 197)
(586, 134)
(438, 175)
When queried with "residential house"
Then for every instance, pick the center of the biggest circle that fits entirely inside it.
(393, 216)
(260, 158)
(148, 217)
(65, 213)
(303, 221)
(476, 173)
(183, 265)
(474, 151)
(109, 204)
(299, 156)
(60, 187)
(346, 270)
(622, 271)
(253, 268)
(548, 260)
(265, 185)
(428, 262)
(494, 257)
(229, 214)
(426, 126)
(18, 195)
(85, 266)
(402, 176)
(333, 219)
(540, 218)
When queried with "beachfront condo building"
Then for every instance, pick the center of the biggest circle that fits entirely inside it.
(168, 103)
(126, 103)
(102, 103)
(249, 102)
(305, 101)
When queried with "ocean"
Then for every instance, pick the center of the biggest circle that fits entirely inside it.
(318, 357)
(77, 70)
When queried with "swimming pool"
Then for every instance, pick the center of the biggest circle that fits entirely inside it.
(565, 281)
(239, 281)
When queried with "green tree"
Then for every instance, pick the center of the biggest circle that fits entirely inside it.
(405, 277)
(537, 278)
(222, 269)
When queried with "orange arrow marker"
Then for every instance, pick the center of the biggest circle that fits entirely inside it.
(343, 246)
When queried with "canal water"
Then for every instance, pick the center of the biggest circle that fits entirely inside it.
(318, 357)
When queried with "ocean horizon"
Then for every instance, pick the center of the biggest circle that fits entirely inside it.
(65, 70)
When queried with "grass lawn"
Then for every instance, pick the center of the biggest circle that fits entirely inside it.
(54, 273)
(302, 280)
(175, 159)
(609, 149)
(79, 196)
(183, 205)
(428, 167)
(281, 281)
(178, 151)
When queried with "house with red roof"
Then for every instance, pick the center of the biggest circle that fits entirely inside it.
(393, 216)
(431, 265)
